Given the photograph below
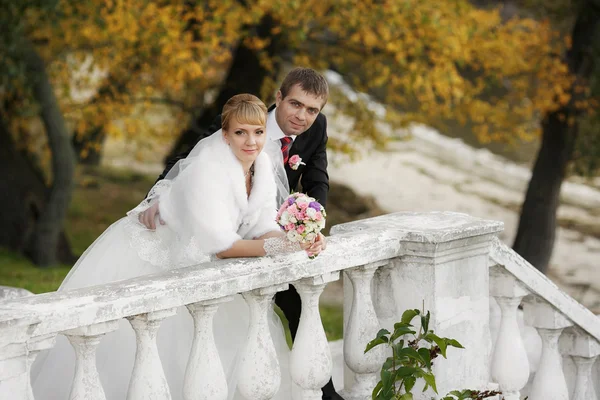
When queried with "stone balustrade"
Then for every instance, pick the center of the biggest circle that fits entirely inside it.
(567, 331)
(451, 264)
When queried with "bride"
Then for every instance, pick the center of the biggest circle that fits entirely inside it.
(219, 202)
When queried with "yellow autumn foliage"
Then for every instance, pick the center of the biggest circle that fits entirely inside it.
(429, 60)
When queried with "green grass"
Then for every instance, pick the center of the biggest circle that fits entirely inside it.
(17, 271)
(332, 319)
(101, 197)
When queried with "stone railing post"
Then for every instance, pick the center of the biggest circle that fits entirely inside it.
(510, 365)
(14, 354)
(584, 350)
(35, 345)
(204, 376)
(383, 291)
(549, 382)
(259, 372)
(442, 266)
(310, 362)
(148, 378)
(361, 328)
(85, 340)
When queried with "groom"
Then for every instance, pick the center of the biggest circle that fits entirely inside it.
(295, 122)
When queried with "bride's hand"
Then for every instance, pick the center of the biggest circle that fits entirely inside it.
(147, 217)
(317, 246)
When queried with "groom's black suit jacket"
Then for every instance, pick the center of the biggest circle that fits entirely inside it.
(310, 146)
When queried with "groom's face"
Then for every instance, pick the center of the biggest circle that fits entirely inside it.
(296, 112)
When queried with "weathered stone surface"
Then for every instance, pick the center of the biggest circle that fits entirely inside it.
(432, 227)
(544, 288)
(7, 293)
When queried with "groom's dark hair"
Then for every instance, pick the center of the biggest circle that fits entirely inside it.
(309, 80)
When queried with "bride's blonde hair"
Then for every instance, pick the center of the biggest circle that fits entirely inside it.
(246, 109)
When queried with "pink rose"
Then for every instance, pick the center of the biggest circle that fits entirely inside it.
(300, 229)
(290, 227)
(295, 162)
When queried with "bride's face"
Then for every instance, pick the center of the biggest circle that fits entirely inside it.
(246, 141)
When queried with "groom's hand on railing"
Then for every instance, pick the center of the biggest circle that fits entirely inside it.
(148, 217)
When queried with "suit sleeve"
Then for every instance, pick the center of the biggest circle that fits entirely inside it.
(315, 180)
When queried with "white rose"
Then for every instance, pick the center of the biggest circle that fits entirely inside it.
(293, 219)
(310, 237)
(292, 236)
(311, 213)
(285, 218)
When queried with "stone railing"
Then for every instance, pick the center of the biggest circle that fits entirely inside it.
(560, 366)
(440, 261)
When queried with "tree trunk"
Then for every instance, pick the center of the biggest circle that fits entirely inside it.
(24, 196)
(246, 75)
(88, 148)
(537, 223)
(45, 239)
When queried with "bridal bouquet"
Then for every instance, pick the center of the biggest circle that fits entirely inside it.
(302, 218)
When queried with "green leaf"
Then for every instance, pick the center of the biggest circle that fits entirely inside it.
(376, 342)
(382, 333)
(401, 331)
(406, 372)
(409, 383)
(408, 316)
(441, 342)
(430, 380)
(410, 353)
(454, 343)
(386, 379)
(406, 396)
(425, 321)
(388, 363)
(426, 356)
(376, 391)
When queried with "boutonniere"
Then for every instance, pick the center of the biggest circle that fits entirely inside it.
(295, 162)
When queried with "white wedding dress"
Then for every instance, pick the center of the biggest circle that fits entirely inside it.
(206, 209)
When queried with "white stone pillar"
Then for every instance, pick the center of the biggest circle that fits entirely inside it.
(362, 327)
(35, 346)
(584, 350)
(204, 375)
(148, 379)
(442, 265)
(549, 382)
(310, 362)
(259, 373)
(382, 289)
(85, 340)
(510, 365)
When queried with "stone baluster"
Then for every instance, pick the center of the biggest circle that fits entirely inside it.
(204, 376)
(510, 365)
(311, 362)
(584, 350)
(14, 372)
(549, 382)
(384, 297)
(35, 346)
(148, 379)
(259, 373)
(362, 327)
(85, 340)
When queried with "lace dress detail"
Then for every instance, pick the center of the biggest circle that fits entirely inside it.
(280, 245)
(162, 247)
